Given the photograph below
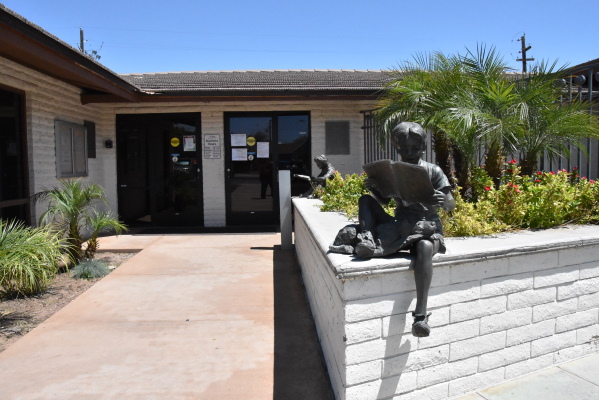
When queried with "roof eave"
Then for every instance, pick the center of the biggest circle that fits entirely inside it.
(28, 45)
(237, 95)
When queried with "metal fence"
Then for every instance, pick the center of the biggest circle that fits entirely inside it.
(577, 86)
(378, 148)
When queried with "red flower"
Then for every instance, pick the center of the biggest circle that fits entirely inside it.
(551, 173)
(510, 184)
(537, 180)
(591, 181)
(487, 188)
(512, 162)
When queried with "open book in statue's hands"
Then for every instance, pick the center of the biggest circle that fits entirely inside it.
(408, 182)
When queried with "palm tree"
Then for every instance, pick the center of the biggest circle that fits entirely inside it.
(549, 127)
(462, 100)
(472, 102)
(70, 210)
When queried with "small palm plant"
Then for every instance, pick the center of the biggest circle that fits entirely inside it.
(28, 258)
(71, 211)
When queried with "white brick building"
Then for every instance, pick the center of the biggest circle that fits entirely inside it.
(170, 149)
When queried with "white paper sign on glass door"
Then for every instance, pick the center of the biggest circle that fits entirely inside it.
(239, 154)
(263, 149)
(189, 143)
(237, 139)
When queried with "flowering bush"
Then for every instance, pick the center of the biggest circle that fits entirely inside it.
(543, 200)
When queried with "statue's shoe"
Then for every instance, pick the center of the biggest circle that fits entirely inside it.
(420, 326)
(366, 247)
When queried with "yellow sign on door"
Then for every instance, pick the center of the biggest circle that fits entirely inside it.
(175, 142)
(251, 141)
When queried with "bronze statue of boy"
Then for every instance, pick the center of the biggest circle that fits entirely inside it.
(327, 171)
(416, 225)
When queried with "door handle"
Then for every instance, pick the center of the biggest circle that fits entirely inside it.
(123, 185)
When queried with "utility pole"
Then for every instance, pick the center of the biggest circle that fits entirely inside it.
(81, 41)
(523, 51)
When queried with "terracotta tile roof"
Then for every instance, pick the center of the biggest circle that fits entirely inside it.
(260, 81)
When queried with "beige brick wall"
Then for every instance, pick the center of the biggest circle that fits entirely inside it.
(47, 100)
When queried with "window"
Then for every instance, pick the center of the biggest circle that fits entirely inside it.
(336, 137)
(71, 150)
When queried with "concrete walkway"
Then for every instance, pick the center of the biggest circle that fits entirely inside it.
(189, 317)
(215, 317)
(573, 380)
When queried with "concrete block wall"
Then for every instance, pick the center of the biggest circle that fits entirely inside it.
(47, 100)
(501, 307)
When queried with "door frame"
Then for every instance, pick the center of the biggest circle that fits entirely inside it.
(151, 144)
(24, 154)
(231, 218)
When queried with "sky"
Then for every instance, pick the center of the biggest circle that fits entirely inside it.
(136, 36)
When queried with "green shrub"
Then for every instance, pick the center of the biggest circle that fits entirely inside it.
(90, 269)
(471, 219)
(28, 258)
(541, 201)
(342, 195)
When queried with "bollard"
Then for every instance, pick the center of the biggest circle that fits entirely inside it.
(285, 209)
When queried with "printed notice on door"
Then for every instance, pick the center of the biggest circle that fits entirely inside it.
(263, 149)
(189, 143)
(239, 154)
(211, 146)
(238, 139)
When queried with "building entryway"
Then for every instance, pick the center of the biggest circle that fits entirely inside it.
(258, 145)
(159, 169)
(14, 190)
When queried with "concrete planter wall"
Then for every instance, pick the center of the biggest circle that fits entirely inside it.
(501, 307)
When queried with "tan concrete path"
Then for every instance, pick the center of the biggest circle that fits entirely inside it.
(188, 317)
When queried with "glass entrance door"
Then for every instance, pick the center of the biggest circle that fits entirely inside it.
(250, 171)
(258, 145)
(159, 169)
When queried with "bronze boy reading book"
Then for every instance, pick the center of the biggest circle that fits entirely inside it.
(416, 226)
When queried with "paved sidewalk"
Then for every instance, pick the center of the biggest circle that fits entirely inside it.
(573, 380)
(210, 317)
(214, 317)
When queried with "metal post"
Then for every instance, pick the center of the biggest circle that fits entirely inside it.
(285, 209)
(589, 148)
